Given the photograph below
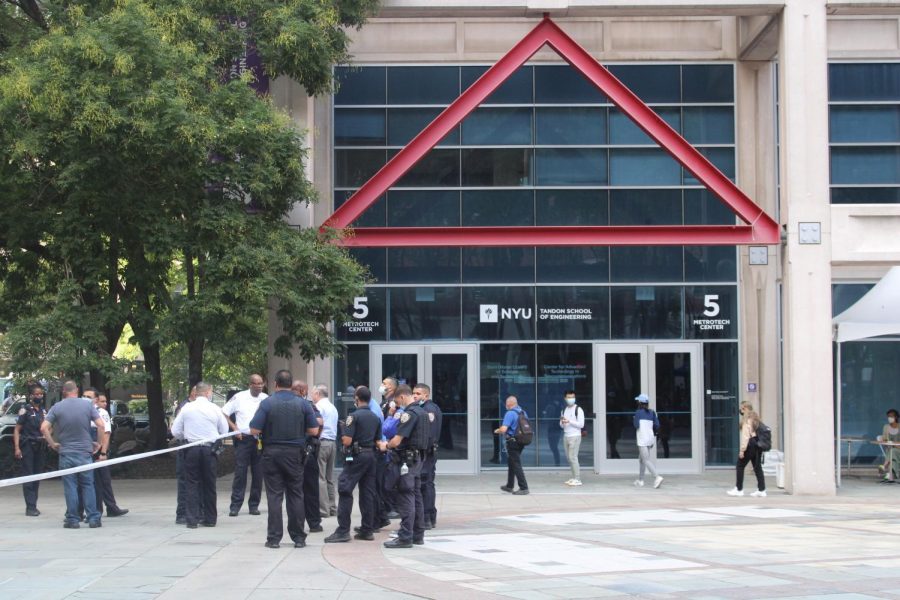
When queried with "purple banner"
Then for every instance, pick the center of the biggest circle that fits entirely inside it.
(248, 60)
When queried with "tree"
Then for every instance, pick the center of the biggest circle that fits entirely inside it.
(126, 157)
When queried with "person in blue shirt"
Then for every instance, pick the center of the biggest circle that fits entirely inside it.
(513, 448)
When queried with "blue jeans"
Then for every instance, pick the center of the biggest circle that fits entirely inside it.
(71, 484)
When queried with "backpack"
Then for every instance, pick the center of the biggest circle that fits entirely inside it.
(763, 437)
(524, 432)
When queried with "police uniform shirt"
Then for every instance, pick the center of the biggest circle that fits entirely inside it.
(363, 427)
(30, 418)
(242, 407)
(199, 420)
(435, 416)
(284, 433)
(107, 424)
(406, 425)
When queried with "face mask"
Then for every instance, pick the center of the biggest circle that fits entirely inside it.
(382, 390)
(570, 401)
(892, 420)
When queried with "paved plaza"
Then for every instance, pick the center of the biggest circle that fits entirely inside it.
(606, 539)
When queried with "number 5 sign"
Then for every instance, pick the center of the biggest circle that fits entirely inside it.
(711, 304)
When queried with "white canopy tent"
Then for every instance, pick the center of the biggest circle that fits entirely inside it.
(877, 313)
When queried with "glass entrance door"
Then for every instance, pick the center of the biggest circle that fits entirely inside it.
(670, 374)
(449, 370)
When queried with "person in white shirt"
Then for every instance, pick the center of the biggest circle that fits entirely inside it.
(572, 422)
(645, 424)
(239, 411)
(327, 449)
(102, 477)
(200, 420)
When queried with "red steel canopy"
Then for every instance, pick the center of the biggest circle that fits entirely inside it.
(759, 228)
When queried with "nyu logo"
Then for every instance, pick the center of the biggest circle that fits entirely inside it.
(490, 313)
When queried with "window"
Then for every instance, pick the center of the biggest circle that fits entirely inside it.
(864, 132)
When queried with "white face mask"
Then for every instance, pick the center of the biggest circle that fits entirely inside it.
(382, 390)
(570, 401)
(892, 420)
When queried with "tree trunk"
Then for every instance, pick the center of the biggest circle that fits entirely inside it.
(155, 407)
(195, 361)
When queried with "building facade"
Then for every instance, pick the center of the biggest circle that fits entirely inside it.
(798, 103)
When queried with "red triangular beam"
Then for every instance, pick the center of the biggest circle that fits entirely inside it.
(759, 228)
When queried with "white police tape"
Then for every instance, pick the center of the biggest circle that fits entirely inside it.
(107, 463)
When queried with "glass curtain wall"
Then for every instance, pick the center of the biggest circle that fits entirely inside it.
(546, 148)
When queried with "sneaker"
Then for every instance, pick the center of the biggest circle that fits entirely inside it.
(735, 492)
(638, 483)
(576, 482)
(658, 481)
(568, 482)
(521, 492)
(759, 494)
(506, 488)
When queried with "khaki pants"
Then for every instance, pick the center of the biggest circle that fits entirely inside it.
(327, 450)
(573, 443)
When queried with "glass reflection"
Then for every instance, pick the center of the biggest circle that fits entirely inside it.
(646, 312)
(449, 388)
(673, 404)
(623, 383)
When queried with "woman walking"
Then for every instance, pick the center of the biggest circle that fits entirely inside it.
(750, 453)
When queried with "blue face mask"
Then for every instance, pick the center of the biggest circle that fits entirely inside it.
(570, 401)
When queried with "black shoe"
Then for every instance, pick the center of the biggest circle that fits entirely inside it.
(95, 524)
(119, 512)
(180, 520)
(232, 513)
(254, 511)
(32, 512)
(273, 545)
(359, 535)
(192, 526)
(382, 524)
(208, 524)
(337, 538)
(332, 512)
(506, 488)
(300, 544)
(398, 543)
(316, 529)
(429, 525)
(420, 542)
(521, 492)
(71, 525)
(359, 530)
(393, 515)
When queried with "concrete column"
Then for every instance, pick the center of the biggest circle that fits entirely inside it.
(758, 300)
(806, 267)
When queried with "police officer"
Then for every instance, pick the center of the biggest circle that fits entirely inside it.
(422, 396)
(29, 445)
(404, 470)
(311, 466)
(362, 431)
(284, 420)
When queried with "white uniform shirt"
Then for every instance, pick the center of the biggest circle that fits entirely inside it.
(199, 420)
(243, 406)
(107, 425)
(330, 418)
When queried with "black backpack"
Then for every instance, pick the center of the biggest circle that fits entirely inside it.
(763, 437)
(524, 432)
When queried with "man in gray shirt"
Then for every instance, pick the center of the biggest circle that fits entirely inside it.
(71, 420)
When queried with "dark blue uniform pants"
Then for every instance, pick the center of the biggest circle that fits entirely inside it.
(103, 490)
(382, 504)
(359, 472)
(514, 464)
(429, 495)
(200, 485)
(246, 456)
(33, 456)
(282, 468)
(311, 487)
(408, 490)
